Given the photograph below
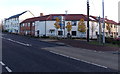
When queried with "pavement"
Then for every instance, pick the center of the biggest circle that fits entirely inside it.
(102, 57)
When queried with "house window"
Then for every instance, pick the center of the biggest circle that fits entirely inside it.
(111, 26)
(28, 24)
(73, 33)
(33, 24)
(74, 23)
(114, 26)
(117, 33)
(60, 32)
(107, 33)
(96, 33)
(22, 25)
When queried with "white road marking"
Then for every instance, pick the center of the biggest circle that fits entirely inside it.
(2, 63)
(8, 69)
(78, 59)
(17, 42)
(99, 65)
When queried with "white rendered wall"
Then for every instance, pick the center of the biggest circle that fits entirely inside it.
(40, 25)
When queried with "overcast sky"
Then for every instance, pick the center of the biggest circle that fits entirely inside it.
(12, 7)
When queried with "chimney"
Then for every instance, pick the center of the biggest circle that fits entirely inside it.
(41, 14)
(106, 17)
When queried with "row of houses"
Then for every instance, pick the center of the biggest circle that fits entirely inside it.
(43, 25)
(12, 24)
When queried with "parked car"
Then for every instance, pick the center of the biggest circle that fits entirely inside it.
(118, 38)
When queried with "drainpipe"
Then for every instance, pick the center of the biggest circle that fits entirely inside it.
(45, 28)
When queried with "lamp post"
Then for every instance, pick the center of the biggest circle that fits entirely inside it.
(64, 21)
(88, 20)
(103, 22)
(99, 18)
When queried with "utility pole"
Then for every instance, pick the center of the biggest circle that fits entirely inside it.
(103, 22)
(88, 20)
(99, 29)
(64, 21)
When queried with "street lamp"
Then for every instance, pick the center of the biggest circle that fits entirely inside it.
(103, 22)
(64, 21)
(99, 18)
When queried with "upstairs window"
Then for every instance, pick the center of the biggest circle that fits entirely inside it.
(28, 24)
(74, 23)
(111, 26)
(23, 24)
(33, 24)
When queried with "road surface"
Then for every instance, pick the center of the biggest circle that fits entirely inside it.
(25, 54)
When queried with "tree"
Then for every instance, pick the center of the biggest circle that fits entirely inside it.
(108, 28)
(69, 27)
(81, 26)
(57, 25)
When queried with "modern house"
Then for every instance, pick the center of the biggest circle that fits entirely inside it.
(12, 24)
(111, 27)
(45, 26)
(119, 18)
(118, 29)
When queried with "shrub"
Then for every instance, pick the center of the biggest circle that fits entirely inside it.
(112, 41)
(4, 30)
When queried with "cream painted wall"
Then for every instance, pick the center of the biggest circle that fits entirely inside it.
(25, 16)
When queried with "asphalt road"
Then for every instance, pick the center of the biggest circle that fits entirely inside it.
(25, 54)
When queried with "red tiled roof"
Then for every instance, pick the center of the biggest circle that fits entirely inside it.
(94, 17)
(118, 23)
(111, 22)
(41, 18)
(106, 20)
(50, 17)
(68, 17)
